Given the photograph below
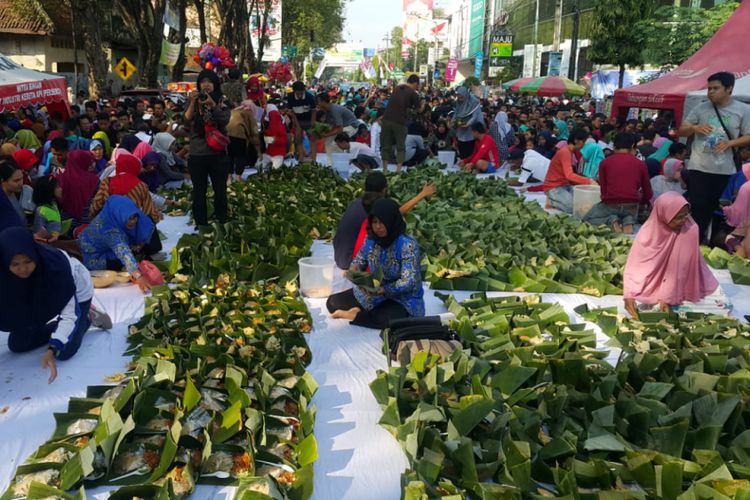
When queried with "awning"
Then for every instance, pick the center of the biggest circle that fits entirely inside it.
(21, 86)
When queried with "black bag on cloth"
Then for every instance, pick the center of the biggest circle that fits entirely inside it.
(406, 329)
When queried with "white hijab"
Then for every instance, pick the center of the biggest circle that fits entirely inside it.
(501, 118)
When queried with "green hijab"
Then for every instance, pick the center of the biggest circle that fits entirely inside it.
(594, 156)
(662, 152)
(27, 140)
(104, 138)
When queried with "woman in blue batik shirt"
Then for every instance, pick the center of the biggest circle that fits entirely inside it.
(112, 237)
(386, 248)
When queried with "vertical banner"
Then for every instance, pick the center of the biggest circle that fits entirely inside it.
(272, 49)
(169, 53)
(476, 26)
(450, 70)
(171, 16)
(478, 62)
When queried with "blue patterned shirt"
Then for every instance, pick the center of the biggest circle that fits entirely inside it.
(402, 275)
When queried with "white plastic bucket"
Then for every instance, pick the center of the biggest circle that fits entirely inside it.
(447, 157)
(316, 276)
(584, 199)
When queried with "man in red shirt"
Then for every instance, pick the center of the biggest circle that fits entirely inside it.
(560, 178)
(624, 185)
(486, 157)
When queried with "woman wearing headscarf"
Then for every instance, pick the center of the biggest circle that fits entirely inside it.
(255, 92)
(738, 217)
(244, 138)
(27, 162)
(389, 250)
(129, 143)
(665, 265)
(671, 180)
(502, 133)
(45, 297)
(142, 150)
(163, 144)
(26, 139)
(545, 144)
(97, 150)
(275, 137)
(441, 138)
(593, 156)
(468, 111)
(108, 242)
(103, 138)
(205, 161)
(126, 182)
(79, 183)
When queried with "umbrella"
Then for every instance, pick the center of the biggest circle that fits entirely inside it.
(514, 84)
(551, 86)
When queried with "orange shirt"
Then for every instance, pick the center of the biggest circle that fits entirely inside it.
(560, 172)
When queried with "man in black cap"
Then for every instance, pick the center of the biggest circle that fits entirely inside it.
(346, 234)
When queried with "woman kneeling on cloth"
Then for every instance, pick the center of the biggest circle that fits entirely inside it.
(387, 249)
(665, 265)
(45, 298)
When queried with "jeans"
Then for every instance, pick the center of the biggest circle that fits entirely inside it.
(419, 156)
(201, 168)
(561, 198)
(604, 214)
(392, 135)
(704, 191)
(366, 161)
(379, 318)
(31, 338)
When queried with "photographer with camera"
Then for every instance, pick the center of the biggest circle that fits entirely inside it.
(208, 113)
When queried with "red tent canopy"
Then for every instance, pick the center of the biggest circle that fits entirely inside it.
(725, 51)
(21, 87)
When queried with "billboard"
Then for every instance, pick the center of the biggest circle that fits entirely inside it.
(417, 19)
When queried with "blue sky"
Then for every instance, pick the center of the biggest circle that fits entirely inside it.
(368, 21)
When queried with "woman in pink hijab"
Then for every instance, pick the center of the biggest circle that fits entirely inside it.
(665, 265)
(738, 216)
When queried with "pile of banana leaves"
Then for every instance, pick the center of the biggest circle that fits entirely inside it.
(477, 234)
(529, 409)
(718, 258)
(217, 391)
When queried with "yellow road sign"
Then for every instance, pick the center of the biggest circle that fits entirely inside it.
(125, 68)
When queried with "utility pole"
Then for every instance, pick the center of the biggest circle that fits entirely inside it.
(572, 66)
(558, 24)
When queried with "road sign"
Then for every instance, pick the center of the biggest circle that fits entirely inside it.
(125, 69)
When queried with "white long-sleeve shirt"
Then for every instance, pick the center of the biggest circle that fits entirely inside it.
(68, 316)
(375, 137)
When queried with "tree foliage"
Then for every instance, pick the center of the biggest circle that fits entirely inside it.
(676, 33)
(143, 19)
(311, 24)
(615, 36)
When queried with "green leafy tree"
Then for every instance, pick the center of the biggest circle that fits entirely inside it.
(311, 24)
(615, 36)
(423, 48)
(676, 33)
(393, 54)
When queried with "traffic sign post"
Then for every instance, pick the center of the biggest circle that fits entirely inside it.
(125, 69)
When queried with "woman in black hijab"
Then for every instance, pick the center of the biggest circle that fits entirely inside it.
(208, 108)
(387, 250)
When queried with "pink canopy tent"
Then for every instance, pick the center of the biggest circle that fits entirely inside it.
(725, 51)
(21, 87)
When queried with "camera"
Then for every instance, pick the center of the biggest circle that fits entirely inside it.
(202, 96)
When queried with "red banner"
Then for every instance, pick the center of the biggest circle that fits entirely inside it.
(17, 95)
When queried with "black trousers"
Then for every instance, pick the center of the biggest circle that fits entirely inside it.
(377, 319)
(215, 167)
(31, 338)
(465, 149)
(704, 191)
(419, 156)
(241, 155)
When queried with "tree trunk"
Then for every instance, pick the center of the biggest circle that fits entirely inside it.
(144, 20)
(93, 17)
(622, 76)
(201, 8)
(178, 69)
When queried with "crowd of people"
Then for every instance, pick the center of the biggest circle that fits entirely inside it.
(87, 186)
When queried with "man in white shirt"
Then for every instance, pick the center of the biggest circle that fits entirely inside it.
(532, 164)
(361, 155)
(375, 132)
